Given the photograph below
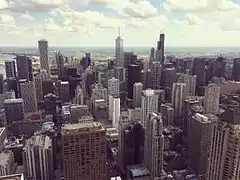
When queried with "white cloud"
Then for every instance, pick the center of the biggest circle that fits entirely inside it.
(194, 20)
(232, 25)
(3, 4)
(50, 25)
(200, 6)
(7, 20)
(27, 16)
(140, 9)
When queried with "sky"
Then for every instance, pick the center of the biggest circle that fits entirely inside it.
(78, 23)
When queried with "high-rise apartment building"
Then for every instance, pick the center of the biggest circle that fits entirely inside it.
(113, 87)
(38, 158)
(28, 94)
(153, 146)
(44, 57)
(24, 68)
(200, 130)
(149, 104)
(10, 69)
(14, 110)
(119, 50)
(84, 151)
(211, 101)
(190, 82)
(225, 148)
(179, 94)
(137, 92)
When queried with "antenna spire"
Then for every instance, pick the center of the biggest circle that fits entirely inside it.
(118, 31)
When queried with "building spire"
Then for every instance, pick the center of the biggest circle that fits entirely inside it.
(118, 31)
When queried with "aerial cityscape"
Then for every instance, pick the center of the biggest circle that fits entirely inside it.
(81, 105)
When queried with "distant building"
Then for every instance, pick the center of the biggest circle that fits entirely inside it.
(10, 69)
(24, 68)
(160, 49)
(119, 50)
(199, 71)
(44, 56)
(38, 158)
(88, 150)
(211, 102)
(14, 109)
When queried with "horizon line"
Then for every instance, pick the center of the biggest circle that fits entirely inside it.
(9, 46)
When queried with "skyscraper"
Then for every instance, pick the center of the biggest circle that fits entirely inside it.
(156, 74)
(152, 56)
(24, 68)
(235, 71)
(38, 87)
(113, 87)
(200, 135)
(211, 101)
(160, 49)
(10, 69)
(14, 110)
(116, 112)
(43, 51)
(133, 77)
(179, 94)
(225, 147)
(60, 63)
(1, 84)
(38, 157)
(119, 50)
(153, 146)
(149, 104)
(28, 94)
(137, 91)
(84, 151)
(199, 70)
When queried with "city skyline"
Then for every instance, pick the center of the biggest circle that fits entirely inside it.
(95, 22)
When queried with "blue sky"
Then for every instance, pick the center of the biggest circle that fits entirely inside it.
(95, 22)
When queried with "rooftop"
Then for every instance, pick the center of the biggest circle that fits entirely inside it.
(20, 100)
(81, 127)
(12, 177)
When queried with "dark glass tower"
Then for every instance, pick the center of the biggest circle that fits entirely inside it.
(133, 76)
(24, 68)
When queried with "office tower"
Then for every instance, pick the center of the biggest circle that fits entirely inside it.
(48, 87)
(43, 52)
(133, 144)
(160, 49)
(167, 114)
(152, 56)
(50, 104)
(169, 76)
(211, 101)
(63, 91)
(77, 111)
(12, 85)
(110, 107)
(38, 158)
(7, 164)
(156, 74)
(149, 80)
(225, 147)
(14, 109)
(100, 109)
(179, 94)
(1, 84)
(116, 112)
(38, 86)
(200, 130)
(24, 68)
(190, 82)
(88, 150)
(129, 58)
(199, 70)
(113, 87)
(219, 67)
(161, 97)
(28, 94)
(60, 63)
(99, 92)
(119, 73)
(10, 69)
(235, 70)
(153, 146)
(149, 104)
(133, 77)
(78, 99)
(119, 50)
(137, 91)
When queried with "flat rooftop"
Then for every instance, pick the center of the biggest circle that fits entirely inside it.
(12, 177)
(20, 100)
(81, 127)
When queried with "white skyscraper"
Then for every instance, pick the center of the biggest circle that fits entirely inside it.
(149, 104)
(211, 103)
(43, 52)
(119, 50)
(154, 142)
(116, 112)
(113, 87)
(179, 93)
(137, 90)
